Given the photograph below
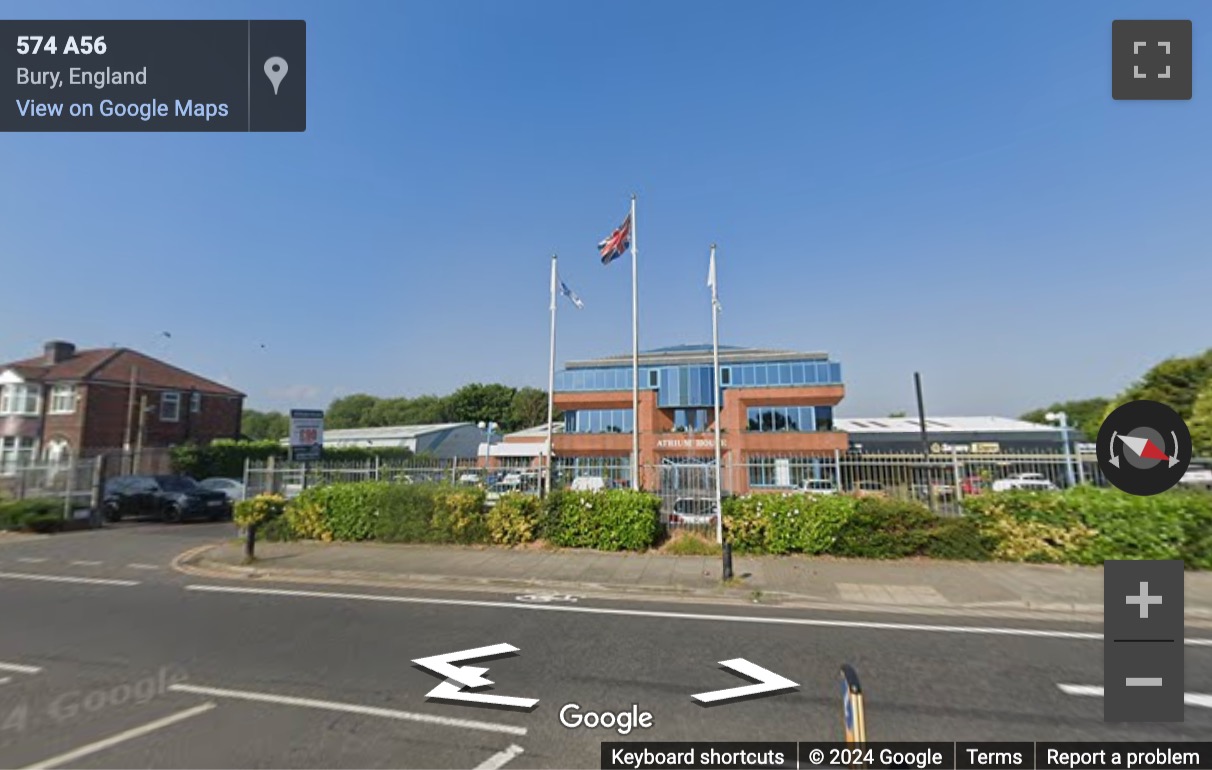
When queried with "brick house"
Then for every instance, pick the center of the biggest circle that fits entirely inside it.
(80, 403)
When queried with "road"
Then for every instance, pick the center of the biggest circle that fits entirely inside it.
(111, 659)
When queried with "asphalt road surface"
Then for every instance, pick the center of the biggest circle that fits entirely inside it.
(110, 659)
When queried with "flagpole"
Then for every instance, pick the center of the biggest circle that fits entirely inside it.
(551, 378)
(635, 357)
(715, 359)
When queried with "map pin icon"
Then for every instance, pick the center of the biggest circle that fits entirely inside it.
(275, 70)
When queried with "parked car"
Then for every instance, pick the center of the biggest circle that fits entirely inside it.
(1032, 481)
(233, 488)
(974, 485)
(588, 484)
(819, 487)
(1197, 476)
(170, 498)
(694, 511)
(470, 478)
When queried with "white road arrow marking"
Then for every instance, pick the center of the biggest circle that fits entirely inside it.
(1189, 698)
(460, 678)
(768, 682)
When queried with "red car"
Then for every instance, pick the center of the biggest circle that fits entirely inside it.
(974, 485)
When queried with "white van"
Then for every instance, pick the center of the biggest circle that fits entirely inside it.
(588, 484)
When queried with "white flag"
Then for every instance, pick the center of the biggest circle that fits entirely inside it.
(715, 300)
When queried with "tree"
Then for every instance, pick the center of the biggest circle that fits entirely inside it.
(350, 411)
(481, 403)
(529, 408)
(1175, 382)
(264, 426)
(1085, 415)
(1200, 423)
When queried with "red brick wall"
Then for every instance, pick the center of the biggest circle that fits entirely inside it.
(105, 409)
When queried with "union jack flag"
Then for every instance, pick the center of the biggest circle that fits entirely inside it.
(617, 243)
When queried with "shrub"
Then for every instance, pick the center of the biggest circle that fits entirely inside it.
(459, 517)
(36, 514)
(882, 528)
(305, 518)
(225, 457)
(515, 519)
(793, 523)
(958, 539)
(259, 510)
(277, 530)
(1087, 525)
(611, 520)
(1196, 549)
(407, 514)
(745, 524)
(351, 511)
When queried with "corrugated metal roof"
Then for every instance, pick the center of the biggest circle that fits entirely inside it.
(389, 432)
(539, 431)
(979, 424)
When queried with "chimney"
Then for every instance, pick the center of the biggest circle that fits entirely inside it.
(57, 351)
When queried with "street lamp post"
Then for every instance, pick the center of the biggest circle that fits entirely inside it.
(488, 427)
(1063, 420)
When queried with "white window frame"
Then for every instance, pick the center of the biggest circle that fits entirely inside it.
(14, 449)
(58, 394)
(172, 397)
(195, 402)
(11, 395)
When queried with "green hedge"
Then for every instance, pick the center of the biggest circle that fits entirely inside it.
(609, 520)
(1087, 525)
(226, 458)
(794, 523)
(33, 515)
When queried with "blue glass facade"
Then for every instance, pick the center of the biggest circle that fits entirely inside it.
(690, 386)
(776, 419)
(598, 421)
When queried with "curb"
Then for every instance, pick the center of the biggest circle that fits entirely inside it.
(195, 563)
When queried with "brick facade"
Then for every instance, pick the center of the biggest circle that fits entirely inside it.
(102, 418)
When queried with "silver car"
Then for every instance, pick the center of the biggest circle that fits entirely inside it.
(693, 511)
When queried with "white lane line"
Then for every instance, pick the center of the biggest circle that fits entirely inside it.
(820, 623)
(1189, 698)
(349, 708)
(5, 679)
(114, 740)
(86, 564)
(67, 579)
(500, 759)
(17, 668)
(136, 565)
(30, 560)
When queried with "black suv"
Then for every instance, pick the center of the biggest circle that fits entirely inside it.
(170, 498)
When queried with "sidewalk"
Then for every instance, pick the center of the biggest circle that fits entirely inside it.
(920, 586)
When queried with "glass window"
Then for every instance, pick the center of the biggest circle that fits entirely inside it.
(725, 376)
(785, 374)
(759, 372)
(835, 371)
(170, 406)
(19, 399)
(15, 452)
(195, 402)
(824, 418)
(63, 399)
(793, 418)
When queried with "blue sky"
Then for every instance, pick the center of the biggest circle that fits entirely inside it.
(930, 186)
